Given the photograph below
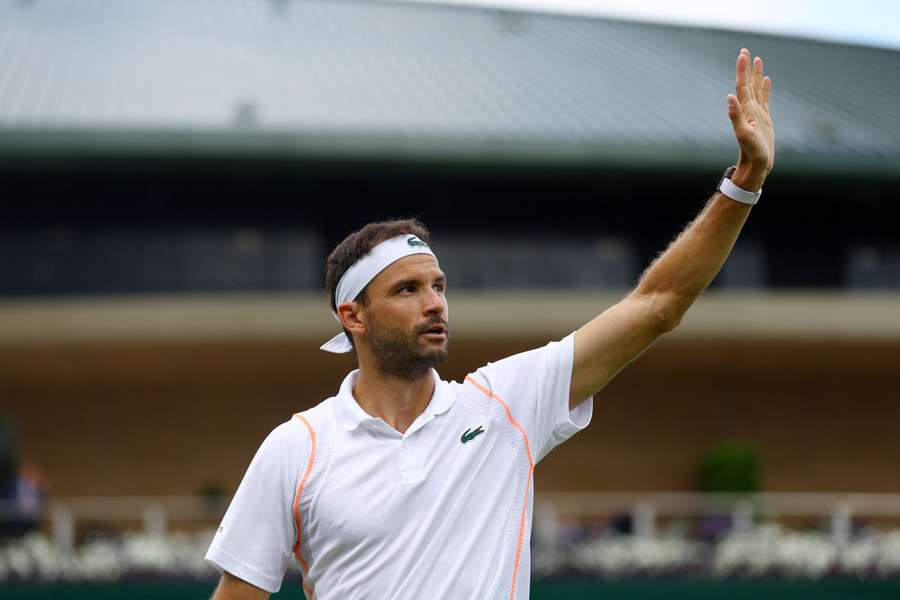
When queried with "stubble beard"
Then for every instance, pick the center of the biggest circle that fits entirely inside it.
(401, 356)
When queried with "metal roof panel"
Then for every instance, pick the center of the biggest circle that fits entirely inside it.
(422, 81)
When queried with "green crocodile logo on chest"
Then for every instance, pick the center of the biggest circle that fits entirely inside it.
(470, 434)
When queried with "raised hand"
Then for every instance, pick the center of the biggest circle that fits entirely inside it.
(748, 110)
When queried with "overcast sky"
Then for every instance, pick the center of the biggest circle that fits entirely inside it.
(872, 22)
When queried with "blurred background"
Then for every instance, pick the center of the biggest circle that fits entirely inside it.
(173, 175)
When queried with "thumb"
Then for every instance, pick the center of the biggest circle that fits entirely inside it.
(735, 113)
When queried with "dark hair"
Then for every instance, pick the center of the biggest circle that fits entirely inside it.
(358, 244)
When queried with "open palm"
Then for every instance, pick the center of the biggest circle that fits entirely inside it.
(749, 114)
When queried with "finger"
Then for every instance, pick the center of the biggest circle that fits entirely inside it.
(756, 78)
(734, 108)
(741, 82)
(766, 90)
(736, 114)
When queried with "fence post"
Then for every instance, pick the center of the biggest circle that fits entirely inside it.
(546, 525)
(742, 517)
(643, 518)
(841, 523)
(155, 520)
(63, 527)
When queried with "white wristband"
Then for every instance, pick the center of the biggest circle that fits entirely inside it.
(727, 187)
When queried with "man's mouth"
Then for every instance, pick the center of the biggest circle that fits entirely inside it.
(436, 330)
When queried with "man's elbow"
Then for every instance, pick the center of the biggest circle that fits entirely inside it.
(668, 311)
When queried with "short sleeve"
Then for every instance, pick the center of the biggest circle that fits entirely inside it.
(535, 385)
(256, 537)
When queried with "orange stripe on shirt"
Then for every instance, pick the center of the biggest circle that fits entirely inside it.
(296, 508)
(509, 416)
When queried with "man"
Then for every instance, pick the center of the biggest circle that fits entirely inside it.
(404, 486)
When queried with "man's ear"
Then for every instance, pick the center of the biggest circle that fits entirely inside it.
(352, 317)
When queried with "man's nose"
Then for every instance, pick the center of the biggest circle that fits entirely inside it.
(434, 302)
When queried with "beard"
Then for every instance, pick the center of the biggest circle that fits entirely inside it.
(401, 354)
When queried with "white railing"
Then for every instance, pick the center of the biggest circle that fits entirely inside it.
(645, 508)
(156, 512)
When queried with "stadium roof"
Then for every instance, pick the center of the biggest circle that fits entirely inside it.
(422, 83)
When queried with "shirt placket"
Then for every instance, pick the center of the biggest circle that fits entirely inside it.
(411, 456)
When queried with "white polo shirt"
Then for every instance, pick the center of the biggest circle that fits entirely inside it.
(441, 511)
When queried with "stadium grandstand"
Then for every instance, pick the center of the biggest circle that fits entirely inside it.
(174, 174)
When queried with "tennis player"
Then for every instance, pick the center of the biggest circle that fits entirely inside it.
(403, 486)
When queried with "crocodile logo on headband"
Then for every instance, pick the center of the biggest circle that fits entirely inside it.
(414, 241)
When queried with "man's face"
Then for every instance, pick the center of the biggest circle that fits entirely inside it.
(407, 317)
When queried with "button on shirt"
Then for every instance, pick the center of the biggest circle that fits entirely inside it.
(440, 511)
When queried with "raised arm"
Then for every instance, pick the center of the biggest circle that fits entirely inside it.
(680, 274)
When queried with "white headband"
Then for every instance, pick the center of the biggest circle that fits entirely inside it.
(363, 271)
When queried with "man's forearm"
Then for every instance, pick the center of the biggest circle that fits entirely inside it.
(680, 274)
(676, 278)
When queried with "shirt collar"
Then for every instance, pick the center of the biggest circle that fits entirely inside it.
(352, 415)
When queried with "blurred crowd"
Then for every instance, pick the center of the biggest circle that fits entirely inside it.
(23, 487)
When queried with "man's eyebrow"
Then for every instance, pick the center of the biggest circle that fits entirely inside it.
(405, 282)
(415, 281)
